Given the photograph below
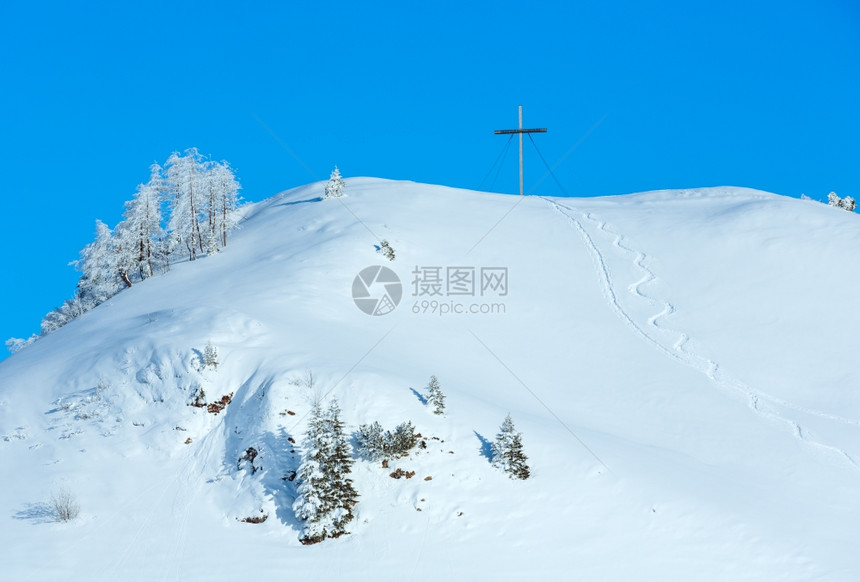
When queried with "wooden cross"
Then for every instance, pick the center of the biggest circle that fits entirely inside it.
(520, 131)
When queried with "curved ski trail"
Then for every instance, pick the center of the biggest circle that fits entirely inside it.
(676, 343)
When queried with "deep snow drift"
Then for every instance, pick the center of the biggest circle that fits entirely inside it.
(682, 365)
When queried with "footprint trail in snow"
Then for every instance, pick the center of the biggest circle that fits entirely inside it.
(676, 343)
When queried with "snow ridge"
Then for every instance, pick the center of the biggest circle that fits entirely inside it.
(680, 349)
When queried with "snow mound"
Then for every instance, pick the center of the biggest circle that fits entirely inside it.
(681, 365)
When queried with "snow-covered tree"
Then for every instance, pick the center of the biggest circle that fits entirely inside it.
(373, 444)
(508, 452)
(369, 441)
(314, 500)
(15, 344)
(139, 247)
(141, 231)
(846, 203)
(345, 495)
(210, 356)
(399, 442)
(100, 266)
(187, 200)
(203, 196)
(69, 310)
(325, 495)
(435, 398)
(334, 187)
(386, 250)
(224, 200)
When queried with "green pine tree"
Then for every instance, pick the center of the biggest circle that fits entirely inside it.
(343, 492)
(435, 398)
(508, 452)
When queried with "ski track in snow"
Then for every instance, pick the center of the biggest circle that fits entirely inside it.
(680, 350)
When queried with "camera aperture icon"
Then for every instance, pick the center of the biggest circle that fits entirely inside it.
(377, 290)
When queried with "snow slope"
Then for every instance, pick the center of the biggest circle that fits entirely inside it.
(682, 365)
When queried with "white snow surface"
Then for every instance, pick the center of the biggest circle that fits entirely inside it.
(682, 365)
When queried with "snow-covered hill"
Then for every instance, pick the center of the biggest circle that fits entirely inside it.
(682, 364)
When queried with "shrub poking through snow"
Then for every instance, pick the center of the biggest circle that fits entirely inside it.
(325, 496)
(64, 505)
(397, 474)
(256, 518)
(435, 398)
(199, 399)
(508, 451)
(220, 405)
(386, 250)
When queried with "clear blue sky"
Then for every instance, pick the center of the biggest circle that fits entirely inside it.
(758, 94)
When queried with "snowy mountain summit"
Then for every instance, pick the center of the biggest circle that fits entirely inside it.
(680, 368)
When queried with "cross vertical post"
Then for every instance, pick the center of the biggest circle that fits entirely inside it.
(520, 115)
(520, 131)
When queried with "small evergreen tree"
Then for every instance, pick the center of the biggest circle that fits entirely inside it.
(386, 250)
(369, 441)
(325, 494)
(373, 444)
(846, 203)
(99, 265)
(508, 451)
(344, 494)
(199, 399)
(435, 398)
(210, 356)
(399, 442)
(334, 187)
(314, 502)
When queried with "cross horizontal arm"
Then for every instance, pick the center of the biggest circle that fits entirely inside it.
(500, 131)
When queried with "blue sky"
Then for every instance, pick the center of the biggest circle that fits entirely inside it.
(757, 94)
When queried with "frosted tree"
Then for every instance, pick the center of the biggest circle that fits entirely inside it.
(197, 192)
(212, 230)
(508, 452)
(100, 266)
(125, 251)
(69, 310)
(334, 187)
(224, 203)
(435, 398)
(16, 344)
(370, 443)
(846, 203)
(314, 500)
(386, 250)
(141, 230)
(185, 177)
(373, 444)
(325, 495)
(210, 356)
(401, 440)
(344, 493)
